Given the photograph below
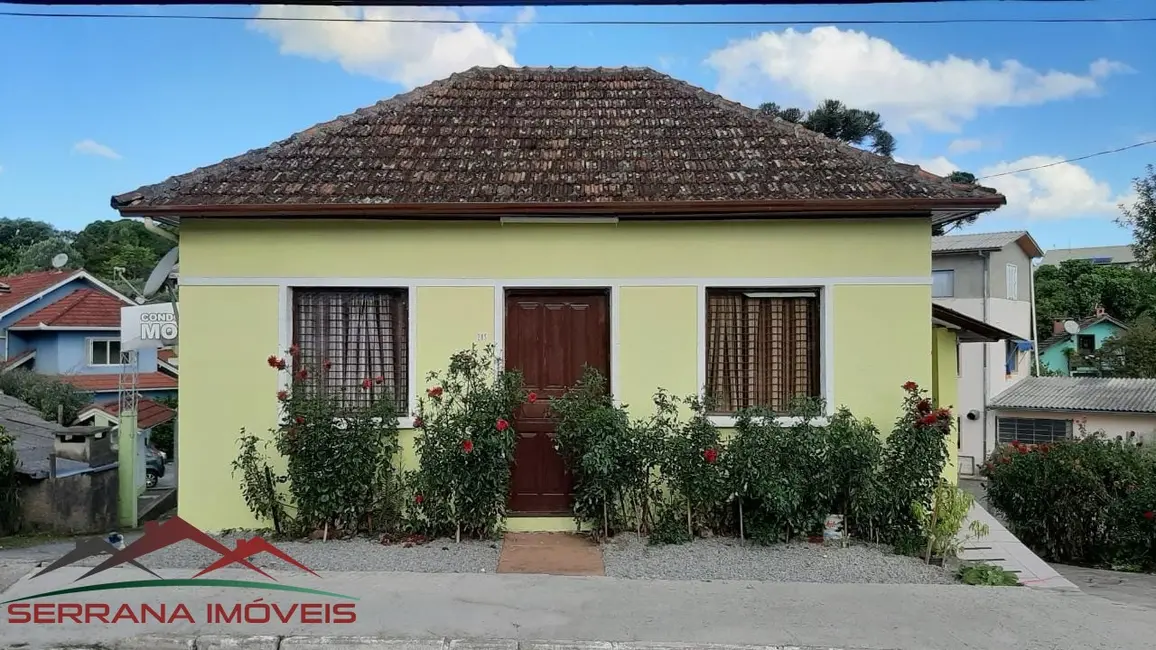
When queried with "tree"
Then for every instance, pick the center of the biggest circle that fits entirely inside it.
(39, 256)
(960, 178)
(1074, 289)
(835, 120)
(1131, 353)
(1141, 218)
(17, 235)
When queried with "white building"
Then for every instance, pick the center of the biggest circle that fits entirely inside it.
(987, 276)
(1045, 409)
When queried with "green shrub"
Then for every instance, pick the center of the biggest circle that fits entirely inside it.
(610, 457)
(692, 463)
(465, 444)
(48, 395)
(1088, 501)
(11, 508)
(987, 575)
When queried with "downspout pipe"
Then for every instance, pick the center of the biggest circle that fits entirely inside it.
(1032, 296)
(156, 229)
(986, 346)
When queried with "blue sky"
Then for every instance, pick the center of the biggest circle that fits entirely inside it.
(90, 107)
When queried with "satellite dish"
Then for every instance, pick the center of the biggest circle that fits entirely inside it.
(59, 260)
(161, 273)
(1071, 327)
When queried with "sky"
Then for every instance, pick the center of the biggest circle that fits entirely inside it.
(95, 107)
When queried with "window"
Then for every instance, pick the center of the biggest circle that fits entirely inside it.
(942, 284)
(1012, 352)
(762, 348)
(1031, 431)
(1013, 282)
(104, 352)
(363, 334)
(1086, 344)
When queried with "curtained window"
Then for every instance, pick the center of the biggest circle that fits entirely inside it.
(762, 347)
(363, 334)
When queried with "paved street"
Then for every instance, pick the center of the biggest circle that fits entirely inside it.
(407, 605)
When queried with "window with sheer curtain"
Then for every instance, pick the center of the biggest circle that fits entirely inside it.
(363, 334)
(762, 347)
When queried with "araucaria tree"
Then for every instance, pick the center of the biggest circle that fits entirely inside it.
(1140, 217)
(838, 121)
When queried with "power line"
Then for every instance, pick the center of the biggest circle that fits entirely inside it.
(695, 23)
(1069, 160)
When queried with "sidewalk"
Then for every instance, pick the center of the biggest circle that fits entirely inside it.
(528, 607)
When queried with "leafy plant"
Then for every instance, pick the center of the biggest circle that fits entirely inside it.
(692, 461)
(338, 453)
(259, 482)
(11, 506)
(465, 446)
(987, 575)
(610, 457)
(942, 523)
(1089, 501)
(51, 397)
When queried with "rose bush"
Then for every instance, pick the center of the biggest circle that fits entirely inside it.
(465, 447)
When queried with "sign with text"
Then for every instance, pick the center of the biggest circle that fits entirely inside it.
(148, 327)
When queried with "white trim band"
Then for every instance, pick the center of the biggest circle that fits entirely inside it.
(757, 283)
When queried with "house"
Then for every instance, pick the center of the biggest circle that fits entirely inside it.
(612, 217)
(987, 276)
(1069, 353)
(1044, 409)
(1122, 256)
(68, 474)
(67, 324)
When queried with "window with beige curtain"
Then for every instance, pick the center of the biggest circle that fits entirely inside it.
(362, 333)
(762, 347)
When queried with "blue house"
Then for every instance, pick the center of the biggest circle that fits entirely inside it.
(1068, 353)
(67, 324)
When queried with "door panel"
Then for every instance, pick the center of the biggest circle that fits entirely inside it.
(549, 336)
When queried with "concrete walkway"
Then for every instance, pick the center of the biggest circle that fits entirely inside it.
(528, 607)
(1001, 548)
(1116, 586)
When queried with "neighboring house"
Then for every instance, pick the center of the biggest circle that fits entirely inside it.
(67, 324)
(1069, 353)
(1043, 409)
(149, 414)
(611, 217)
(69, 474)
(1099, 255)
(987, 276)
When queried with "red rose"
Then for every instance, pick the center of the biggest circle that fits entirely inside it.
(710, 455)
(923, 406)
(1045, 448)
(302, 374)
(300, 419)
(910, 386)
(282, 395)
(467, 446)
(1005, 459)
(365, 384)
(928, 419)
(418, 499)
(532, 397)
(294, 349)
(272, 360)
(327, 364)
(942, 414)
(1149, 515)
(418, 422)
(502, 424)
(379, 380)
(434, 392)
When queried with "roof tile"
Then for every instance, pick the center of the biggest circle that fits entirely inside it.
(83, 307)
(149, 413)
(546, 135)
(106, 383)
(24, 286)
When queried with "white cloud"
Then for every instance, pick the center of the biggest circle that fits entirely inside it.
(870, 73)
(409, 54)
(964, 145)
(93, 148)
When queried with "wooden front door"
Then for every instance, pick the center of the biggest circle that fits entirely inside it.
(550, 336)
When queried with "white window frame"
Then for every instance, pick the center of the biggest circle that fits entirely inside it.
(948, 273)
(825, 296)
(90, 344)
(1013, 281)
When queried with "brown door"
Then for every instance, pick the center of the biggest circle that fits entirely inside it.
(550, 335)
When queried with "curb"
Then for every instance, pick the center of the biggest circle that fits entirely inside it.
(269, 642)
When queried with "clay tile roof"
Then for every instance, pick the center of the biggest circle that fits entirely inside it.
(24, 286)
(149, 413)
(111, 382)
(81, 308)
(553, 136)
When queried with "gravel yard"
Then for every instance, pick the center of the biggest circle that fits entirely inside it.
(730, 559)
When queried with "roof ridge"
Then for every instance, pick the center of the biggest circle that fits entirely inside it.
(985, 233)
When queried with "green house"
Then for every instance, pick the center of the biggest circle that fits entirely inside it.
(1067, 352)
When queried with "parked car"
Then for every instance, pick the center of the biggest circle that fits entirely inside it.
(154, 466)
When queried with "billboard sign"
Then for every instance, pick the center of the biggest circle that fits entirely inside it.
(148, 327)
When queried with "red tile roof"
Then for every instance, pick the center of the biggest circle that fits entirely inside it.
(26, 285)
(166, 355)
(111, 382)
(17, 360)
(81, 308)
(148, 413)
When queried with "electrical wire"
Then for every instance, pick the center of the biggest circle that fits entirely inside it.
(1069, 160)
(587, 23)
